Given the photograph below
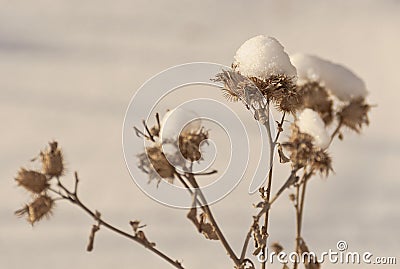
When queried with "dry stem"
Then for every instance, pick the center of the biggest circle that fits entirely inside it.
(74, 199)
(272, 144)
(204, 206)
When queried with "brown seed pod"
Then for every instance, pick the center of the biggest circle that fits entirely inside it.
(189, 144)
(39, 208)
(303, 153)
(355, 114)
(316, 97)
(52, 160)
(33, 181)
(281, 91)
(154, 163)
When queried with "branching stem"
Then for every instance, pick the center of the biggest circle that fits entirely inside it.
(74, 199)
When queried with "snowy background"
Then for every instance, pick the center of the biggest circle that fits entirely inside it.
(69, 68)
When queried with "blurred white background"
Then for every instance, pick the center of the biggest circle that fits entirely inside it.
(69, 68)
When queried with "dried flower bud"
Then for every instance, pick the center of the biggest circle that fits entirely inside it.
(39, 208)
(355, 114)
(322, 162)
(52, 160)
(32, 181)
(303, 152)
(315, 97)
(154, 163)
(280, 90)
(189, 144)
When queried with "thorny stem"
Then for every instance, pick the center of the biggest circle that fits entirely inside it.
(204, 206)
(266, 207)
(73, 198)
(271, 162)
(248, 235)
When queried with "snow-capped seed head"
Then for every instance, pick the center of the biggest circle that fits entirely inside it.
(339, 80)
(310, 122)
(39, 208)
(52, 160)
(304, 152)
(177, 121)
(261, 57)
(32, 181)
(315, 97)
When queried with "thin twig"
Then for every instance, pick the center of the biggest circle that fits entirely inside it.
(205, 173)
(300, 199)
(73, 198)
(76, 183)
(289, 182)
(336, 131)
(148, 131)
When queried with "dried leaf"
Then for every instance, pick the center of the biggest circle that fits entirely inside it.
(282, 156)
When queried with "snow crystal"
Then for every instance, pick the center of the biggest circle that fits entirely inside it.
(310, 122)
(339, 80)
(263, 56)
(177, 120)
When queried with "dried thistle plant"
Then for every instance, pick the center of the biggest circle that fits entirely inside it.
(310, 98)
(316, 95)
(47, 188)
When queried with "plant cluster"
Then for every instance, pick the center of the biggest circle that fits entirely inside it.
(316, 100)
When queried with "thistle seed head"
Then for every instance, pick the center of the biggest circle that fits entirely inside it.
(39, 208)
(303, 153)
(355, 114)
(154, 163)
(189, 144)
(52, 160)
(316, 97)
(280, 90)
(33, 181)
